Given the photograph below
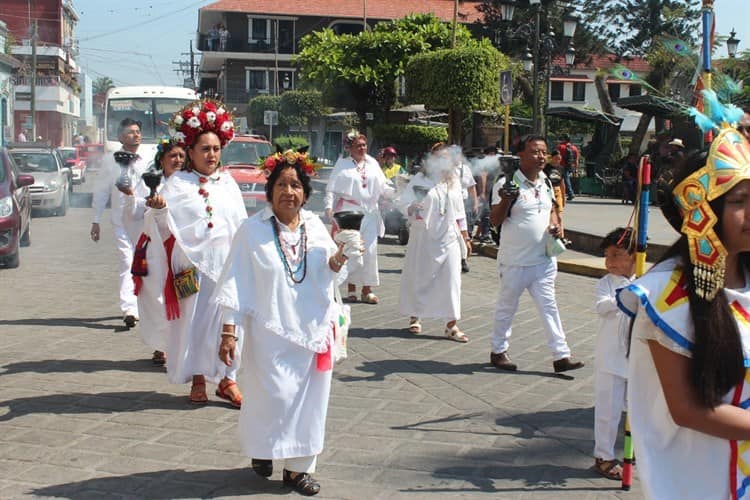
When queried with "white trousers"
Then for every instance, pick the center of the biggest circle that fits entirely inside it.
(539, 280)
(128, 300)
(609, 403)
(301, 464)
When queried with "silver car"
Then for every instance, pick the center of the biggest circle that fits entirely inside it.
(50, 191)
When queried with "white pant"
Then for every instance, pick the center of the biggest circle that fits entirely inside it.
(301, 464)
(539, 280)
(609, 403)
(128, 300)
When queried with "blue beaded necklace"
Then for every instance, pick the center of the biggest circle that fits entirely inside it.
(302, 265)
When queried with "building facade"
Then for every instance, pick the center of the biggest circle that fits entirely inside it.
(43, 34)
(8, 66)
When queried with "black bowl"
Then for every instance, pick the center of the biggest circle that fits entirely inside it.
(124, 158)
(152, 179)
(348, 219)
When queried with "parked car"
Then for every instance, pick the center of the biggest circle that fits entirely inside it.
(242, 157)
(15, 210)
(72, 159)
(52, 180)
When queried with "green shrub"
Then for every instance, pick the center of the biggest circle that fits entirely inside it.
(408, 137)
(295, 142)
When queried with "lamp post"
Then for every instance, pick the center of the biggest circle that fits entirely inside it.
(732, 43)
(541, 41)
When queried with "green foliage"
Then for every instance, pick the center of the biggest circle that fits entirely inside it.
(298, 107)
(258, 105)
(403, 136)
(295, 142)
(464, 79)
(102, 84)
(359, 72)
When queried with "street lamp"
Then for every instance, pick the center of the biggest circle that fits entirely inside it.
(570, 56)
(732, 43)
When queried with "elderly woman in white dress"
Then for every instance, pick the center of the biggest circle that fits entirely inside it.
(277, 290)
(169, 158)
(196, 216)
(438, 240)
(357, 184)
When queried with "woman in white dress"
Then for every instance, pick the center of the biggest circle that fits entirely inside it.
(277, 290)
(438, 240)
(688, 389)
(169, 158)
(196, 216)
(357, 184)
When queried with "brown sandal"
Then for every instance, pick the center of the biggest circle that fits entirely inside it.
(223, 392)
(198, 394)
(611, 469)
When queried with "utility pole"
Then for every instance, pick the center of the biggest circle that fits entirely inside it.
(455, 22)
(364, 15)
(33, 80)
(276, 58)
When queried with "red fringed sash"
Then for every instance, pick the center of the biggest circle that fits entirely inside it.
(139, 267)
(171, 304)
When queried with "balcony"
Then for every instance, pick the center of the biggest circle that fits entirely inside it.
(52, 94)
(241, 44)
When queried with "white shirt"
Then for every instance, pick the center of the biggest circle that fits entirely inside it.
(523, 233)
(105, 188)
(463, 172)
(612, 338)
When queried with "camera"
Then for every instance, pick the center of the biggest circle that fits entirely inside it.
(508, 165)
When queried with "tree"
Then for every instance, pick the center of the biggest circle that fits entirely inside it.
(359, 72)
(458, 80)
(102, 84)
(298, 108)
(258, 105)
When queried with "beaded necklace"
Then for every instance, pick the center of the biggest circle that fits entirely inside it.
(202, 181)
(281, 247)
(361, 170)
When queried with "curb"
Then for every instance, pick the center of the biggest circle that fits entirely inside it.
(569, 266)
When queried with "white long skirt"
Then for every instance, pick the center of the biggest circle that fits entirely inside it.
(193, 339)
(431, 278)
(366, 273)
(285, 414)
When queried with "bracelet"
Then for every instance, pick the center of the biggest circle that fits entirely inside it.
(229, 334)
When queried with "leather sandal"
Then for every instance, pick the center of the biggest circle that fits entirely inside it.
(221, 391)
(304, 484)
(454, 333)
(611, 469)
(262, 467)
(198, 394)
(159, 358)
(369, 298)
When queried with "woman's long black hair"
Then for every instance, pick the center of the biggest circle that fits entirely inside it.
(717, 364)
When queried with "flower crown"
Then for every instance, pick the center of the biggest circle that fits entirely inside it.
(289, 157)
(727, 164)
(206, 115)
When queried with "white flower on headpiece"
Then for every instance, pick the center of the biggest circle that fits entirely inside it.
(211, 117)
(227, 126)
(196, 110)
(171, 132)
(194, 122)
(178, 120)
(179, 137)
(221, 111)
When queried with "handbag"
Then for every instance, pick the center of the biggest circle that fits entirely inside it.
(186, 283)
(553, 246)
(340, 327)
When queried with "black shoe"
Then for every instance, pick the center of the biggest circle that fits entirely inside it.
(566, 364)
(262, 467)
(304, 484)
(129, 320)
(464, 266)
(501, 361)
(571, 198)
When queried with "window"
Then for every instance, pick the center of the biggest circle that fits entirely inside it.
(579, 91)
(614, 91)
(260, 30)
(557, 91)
(635, 90)
(257, 80)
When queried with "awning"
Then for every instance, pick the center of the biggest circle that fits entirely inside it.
(653, 105)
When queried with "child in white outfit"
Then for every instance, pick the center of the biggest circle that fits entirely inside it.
(610, 372)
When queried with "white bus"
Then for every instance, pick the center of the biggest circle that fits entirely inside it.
(153, 106)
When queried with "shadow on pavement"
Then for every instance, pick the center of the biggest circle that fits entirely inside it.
(95, 323)
(80, 366)
(170, 483)
(103, 402)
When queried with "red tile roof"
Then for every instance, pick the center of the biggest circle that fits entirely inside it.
(376, 9)
(609, 61)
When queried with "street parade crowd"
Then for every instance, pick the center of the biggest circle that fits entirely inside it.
(256, 304)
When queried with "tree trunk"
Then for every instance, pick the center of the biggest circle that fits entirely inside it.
(640, 134)
(455, 119)
(605, 102)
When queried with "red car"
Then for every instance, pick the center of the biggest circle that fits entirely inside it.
(15, 210)
(242, 158)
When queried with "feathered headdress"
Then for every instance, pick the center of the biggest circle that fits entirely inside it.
(727, 164)
(206, 115)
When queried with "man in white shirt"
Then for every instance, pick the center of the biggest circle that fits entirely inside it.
(125, 237)
(21, 136)
(469, 194)
(526, 210)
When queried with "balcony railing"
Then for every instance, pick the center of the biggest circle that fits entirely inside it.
(45, 81)
(243, 44)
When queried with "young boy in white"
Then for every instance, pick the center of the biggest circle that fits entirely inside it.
(610, 371)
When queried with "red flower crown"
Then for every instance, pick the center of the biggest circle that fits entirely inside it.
(206, 115)
(289, 157)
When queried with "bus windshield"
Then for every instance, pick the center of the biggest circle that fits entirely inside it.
(154, 114)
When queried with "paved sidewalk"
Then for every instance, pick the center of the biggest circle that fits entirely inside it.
(84, 413)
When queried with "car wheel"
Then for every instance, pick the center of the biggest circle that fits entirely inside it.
(12, 261)
(63, 208)
(26, 236)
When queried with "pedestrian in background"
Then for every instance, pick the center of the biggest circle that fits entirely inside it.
(611, 366)
(569, 159)
(126, 233)
(525, 207)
